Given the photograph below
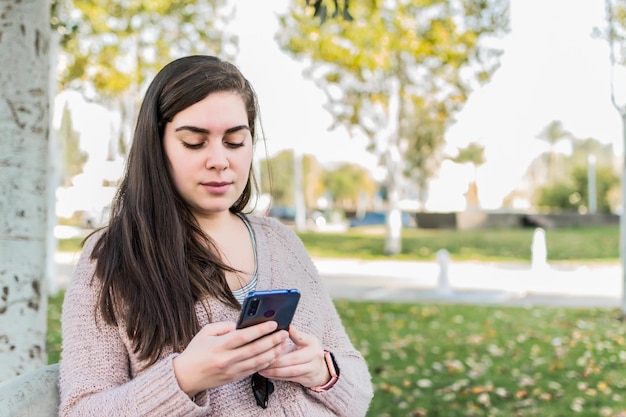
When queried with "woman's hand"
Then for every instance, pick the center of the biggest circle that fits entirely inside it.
(220, 354)
(305, 365)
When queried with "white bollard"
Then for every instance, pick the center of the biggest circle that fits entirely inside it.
(443, 260)
(539, 251)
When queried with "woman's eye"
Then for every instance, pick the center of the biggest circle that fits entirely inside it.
(233, 145)
(193, 145)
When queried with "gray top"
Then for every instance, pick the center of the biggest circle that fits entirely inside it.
(241, 293)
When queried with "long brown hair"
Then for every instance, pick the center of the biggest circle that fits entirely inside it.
(154, 261)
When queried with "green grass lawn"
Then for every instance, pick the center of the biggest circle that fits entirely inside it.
(54, 327)
(567, 244)
(588, 244)
(442, 360)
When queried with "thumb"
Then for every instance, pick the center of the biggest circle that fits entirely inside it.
(298, 337)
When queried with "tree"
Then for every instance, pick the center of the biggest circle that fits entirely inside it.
(473, 153)
(394, 67)
(313, 186)
(118, 46)
(277, 179)
(321, 9)
(424, 151)
(73, 158)
(347, 183)
(553, 134)
(573, 195)
(558, 196)
(606, 181)
(568, 191)
(24, 123)
(582, 148)
(616, 37)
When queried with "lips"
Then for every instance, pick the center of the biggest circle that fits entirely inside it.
(217, 187)
(216, 184)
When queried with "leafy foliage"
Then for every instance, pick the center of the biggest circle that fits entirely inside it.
(616, 32)
(574, 195)
(115, 47)
(277, 178)
(434, 48)
(554, 132)
(120, 43)
(320, 9)
(347, 184)
(60, 23)
(559, 196)
(570, 191)
(473, 153)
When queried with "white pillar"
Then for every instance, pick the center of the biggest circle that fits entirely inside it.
(443, 260)
(539, 250)
(591, 184)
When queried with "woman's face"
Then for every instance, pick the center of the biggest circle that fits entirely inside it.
(209, 149)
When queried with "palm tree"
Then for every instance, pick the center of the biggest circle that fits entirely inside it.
(553, 134)
(473, 153)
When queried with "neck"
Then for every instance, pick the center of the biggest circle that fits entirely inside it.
(218, 223)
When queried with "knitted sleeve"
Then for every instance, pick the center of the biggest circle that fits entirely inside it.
(95, 374)
(353, 392)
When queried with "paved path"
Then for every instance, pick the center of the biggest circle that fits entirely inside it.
(598, 285)
(592, 285)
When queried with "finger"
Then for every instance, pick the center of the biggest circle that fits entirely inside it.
(218, 329)
(273, 341)
(285, 357)
(261, 353)
(242, 337)
(285, 373)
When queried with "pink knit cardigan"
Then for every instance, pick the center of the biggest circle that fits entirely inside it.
(101, 376)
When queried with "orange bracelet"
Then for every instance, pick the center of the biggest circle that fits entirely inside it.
(333, 369)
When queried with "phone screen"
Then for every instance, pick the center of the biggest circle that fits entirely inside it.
(276, 305)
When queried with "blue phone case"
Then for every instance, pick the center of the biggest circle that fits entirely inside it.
(276, 305)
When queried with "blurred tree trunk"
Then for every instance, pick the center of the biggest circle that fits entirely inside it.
(393, 222)
(616, 37)
(298, 191)
(24, 208)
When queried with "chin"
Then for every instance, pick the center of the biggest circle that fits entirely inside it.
(212, 209)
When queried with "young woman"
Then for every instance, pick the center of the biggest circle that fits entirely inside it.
(149, 317)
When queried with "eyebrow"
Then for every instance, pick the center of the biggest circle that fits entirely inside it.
(196, 129)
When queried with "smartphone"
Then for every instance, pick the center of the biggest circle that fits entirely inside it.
(276, 305)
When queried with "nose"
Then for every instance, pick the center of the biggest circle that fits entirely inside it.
(217, 157)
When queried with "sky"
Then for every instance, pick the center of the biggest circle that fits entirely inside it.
(551, 69)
